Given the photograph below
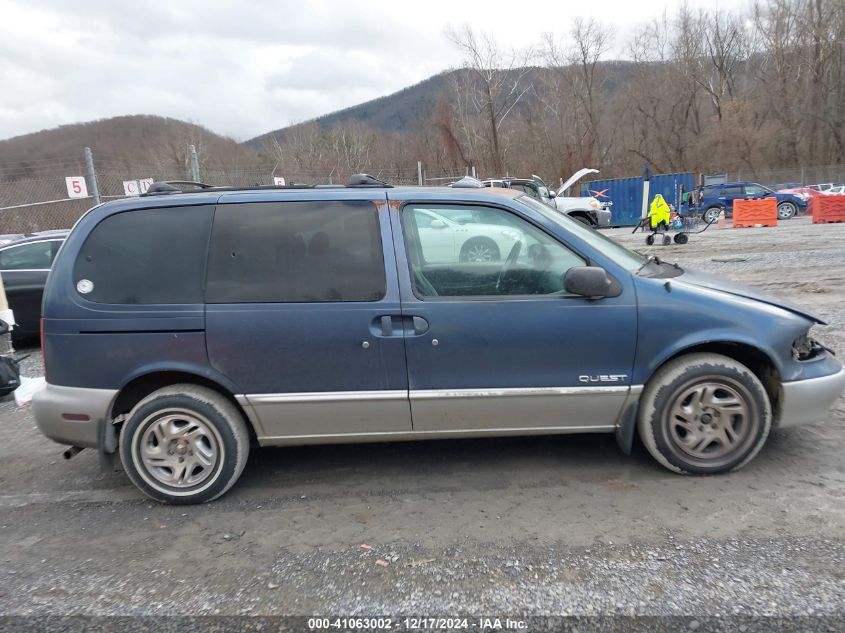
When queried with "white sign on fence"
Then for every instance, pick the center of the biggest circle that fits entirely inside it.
(278, 181)
(76, 187)
(136, 187)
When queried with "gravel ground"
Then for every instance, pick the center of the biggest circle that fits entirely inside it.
(500, 527)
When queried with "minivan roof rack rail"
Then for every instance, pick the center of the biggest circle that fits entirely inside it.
(164, 187)
(365, 180)
(167, 187)
(467, 182)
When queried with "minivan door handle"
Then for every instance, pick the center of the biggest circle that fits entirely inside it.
(386, 325)
(418, 325)
(394, 325)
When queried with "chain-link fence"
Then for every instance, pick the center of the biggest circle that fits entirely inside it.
(795, 176)
(34, 195)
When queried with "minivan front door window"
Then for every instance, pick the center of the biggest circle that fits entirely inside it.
(625, 257)
(501, 255)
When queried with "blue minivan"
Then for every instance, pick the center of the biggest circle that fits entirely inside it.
(183, 328)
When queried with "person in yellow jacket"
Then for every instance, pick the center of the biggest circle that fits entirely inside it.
(659, 214)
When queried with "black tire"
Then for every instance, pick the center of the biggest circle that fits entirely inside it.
(667, 240)
(786, 210)
(688, 433)
(479, 245)
(681, 238)
(649, 239)
(711, 215)
(206, 427)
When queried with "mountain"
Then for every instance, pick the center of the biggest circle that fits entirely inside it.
(397, 112)
(152, 142)
(157, 146)
(404, 110)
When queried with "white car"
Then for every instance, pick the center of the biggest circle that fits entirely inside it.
(835, 191)
(463, 239)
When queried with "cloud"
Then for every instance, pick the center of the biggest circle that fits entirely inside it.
(239, 68)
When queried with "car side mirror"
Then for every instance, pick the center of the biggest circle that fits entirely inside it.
(438, 224)
(587, 281)
(552, 194)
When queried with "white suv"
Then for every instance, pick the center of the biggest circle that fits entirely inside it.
(585, 209)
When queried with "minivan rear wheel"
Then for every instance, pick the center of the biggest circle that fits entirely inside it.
(704, 414)
(184, 444)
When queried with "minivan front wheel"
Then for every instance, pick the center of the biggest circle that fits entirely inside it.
(184, 444)
(704, 414)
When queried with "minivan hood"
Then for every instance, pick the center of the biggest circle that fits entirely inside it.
(714, 282)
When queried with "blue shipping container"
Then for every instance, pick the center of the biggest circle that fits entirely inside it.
(626, 194)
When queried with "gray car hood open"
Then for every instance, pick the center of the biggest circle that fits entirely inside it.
(714, 282)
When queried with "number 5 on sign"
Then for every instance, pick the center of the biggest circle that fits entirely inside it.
(76, 187)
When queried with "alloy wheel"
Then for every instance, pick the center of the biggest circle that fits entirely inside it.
(711, 421)
(179, 450)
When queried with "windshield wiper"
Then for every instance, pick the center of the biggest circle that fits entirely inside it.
(650, 259)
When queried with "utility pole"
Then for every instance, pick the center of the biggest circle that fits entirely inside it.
(646, 185)
(195, 164)
(92, 176)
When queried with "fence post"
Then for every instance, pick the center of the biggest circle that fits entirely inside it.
(419, 173)
(92, 176)
(195, 164)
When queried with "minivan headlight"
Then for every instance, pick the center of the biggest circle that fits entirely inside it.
(805, 347)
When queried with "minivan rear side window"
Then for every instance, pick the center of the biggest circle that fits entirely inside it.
(296, 252)
(148, 256)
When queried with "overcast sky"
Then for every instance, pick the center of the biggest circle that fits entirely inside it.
(245, 68)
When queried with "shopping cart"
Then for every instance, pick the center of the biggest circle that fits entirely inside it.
(683, 226)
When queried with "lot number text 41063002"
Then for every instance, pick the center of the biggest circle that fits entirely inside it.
(416, 623)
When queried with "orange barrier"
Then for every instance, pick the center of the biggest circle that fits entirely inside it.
(753, 212)
(828, 209)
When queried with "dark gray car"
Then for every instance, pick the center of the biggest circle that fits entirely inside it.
(24, 265)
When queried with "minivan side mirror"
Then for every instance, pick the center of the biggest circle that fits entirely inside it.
(587, 281)
(438, 224)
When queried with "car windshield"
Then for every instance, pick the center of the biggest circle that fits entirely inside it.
(628, 259)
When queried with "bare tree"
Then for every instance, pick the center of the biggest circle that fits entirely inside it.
(578, 101)
(493, 84)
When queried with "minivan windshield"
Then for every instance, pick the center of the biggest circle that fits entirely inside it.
(625, 257)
